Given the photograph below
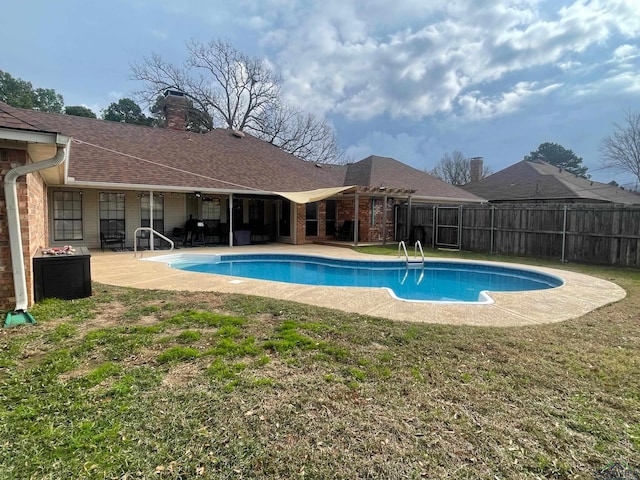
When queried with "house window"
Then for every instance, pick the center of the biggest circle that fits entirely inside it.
(111, 214)
(158, 212)
(210, 208)
(330, 218)
(67, 216)
(312, 219)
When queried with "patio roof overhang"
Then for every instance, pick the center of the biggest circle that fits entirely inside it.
(316, 195)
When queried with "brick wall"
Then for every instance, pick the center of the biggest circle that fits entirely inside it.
(322, 214)
(7, 159)
(301, 223)
(33, 221)
(369, 232)
(175, 111)
(376, 231)
(35, 231)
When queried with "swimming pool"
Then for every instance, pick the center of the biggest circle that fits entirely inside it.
(433, 281)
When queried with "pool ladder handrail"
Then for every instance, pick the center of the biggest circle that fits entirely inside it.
(416, 247)
(402, 247)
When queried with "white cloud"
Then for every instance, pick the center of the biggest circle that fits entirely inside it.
(159, 34)
(425, 58)
(569, 65)
(625, 53)
(475, 106)
(626, 82)
(404, 147)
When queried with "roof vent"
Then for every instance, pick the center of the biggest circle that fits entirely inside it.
(238, 133)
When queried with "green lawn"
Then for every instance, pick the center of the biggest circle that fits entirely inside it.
(154, 384)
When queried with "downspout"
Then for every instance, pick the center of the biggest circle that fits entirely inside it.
(20, 315)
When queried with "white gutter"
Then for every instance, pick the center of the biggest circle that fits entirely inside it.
(70, 181)
(13, 221)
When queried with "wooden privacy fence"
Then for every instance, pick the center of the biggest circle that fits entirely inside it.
(599, 234)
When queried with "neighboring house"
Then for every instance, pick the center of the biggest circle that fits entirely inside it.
(112, 178)
(537, 181)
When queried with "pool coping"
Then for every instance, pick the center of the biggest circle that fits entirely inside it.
(579, 295)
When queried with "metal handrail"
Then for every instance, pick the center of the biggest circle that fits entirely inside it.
(153, 232)
(416, 247)
(403, 246)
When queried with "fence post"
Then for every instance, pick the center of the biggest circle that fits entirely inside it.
(408, 232)
(493, 213)
(433, 237)
(460, 227)
(564, 232)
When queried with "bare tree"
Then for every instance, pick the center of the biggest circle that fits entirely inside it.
(455, 168)
(303, 135)
(621, 150)
(239, 92)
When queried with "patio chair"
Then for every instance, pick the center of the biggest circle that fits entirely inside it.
(114, 238)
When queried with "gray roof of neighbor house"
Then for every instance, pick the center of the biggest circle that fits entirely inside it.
(387, 172)
(536, 181)
(118, 155)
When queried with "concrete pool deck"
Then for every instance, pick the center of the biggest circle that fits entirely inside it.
(579, 295)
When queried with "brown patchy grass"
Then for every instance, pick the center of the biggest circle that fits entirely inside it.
(282, 390)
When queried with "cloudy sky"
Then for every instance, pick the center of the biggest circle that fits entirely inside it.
(409, 79)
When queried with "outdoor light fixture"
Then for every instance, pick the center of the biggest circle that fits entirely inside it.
(197, 194)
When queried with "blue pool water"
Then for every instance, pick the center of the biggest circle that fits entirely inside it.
(437, 281)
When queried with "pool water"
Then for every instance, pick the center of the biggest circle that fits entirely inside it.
(433, 281)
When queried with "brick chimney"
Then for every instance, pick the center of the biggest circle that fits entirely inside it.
(475, 169)
(175, 110)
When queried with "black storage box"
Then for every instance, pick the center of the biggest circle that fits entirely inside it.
(62, 276)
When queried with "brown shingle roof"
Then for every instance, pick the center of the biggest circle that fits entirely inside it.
(123, 154)
(8, 119)
(130, 156)
(377, 171)
(540, 181)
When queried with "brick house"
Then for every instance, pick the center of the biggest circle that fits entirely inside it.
(113, 178)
